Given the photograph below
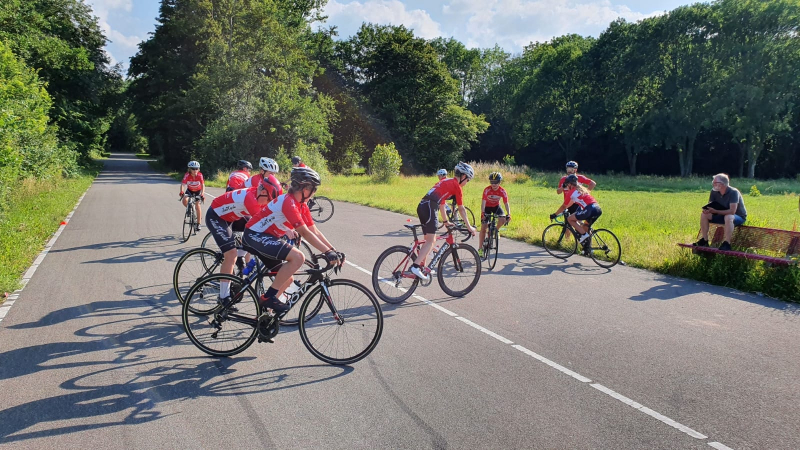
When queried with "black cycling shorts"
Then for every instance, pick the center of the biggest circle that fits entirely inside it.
(266, 245)
(220, 229)
(238, 226)
(496, 210)
(591, 213)
(426, 211)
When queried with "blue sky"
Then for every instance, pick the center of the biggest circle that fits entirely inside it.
(512, 24)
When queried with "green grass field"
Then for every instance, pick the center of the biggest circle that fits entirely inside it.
(649, 215)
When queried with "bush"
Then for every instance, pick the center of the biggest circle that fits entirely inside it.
(509, 160)
(754, 192)
(349, 159)
(310, 154)
(385, 162)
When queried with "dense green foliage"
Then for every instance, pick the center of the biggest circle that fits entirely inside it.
(385, 163)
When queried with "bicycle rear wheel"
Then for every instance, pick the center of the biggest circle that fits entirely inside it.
(322, 209)
(191, 267)
(455, 217)
(347, 327)
(221, 331)
(391, 276)
(559, 241)
(604, 248)
(494, 242)
(459, 270)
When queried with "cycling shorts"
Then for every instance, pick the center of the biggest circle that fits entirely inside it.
(220, 229)
(591, 212)
(238, 226)
(426, 211)
(195, 194)
(266, 245)
(496, 210)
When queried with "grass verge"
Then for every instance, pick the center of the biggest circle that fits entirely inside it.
(35, 212)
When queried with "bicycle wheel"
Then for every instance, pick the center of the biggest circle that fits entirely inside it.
(459, 270)
(208, 242)
(494, 242)
(191, 267)
(221, 331)
(348, 326)
(604, 248)
(188, 226)
(559, 241)
(322, 209)
(391, 278)
(455, 217)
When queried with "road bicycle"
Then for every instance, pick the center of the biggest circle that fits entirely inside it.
(321, 208)
(458, 267)
(340, 321)
(561, 240)
(209, 243)
(190, 218)
(454, 217)
(491, 242)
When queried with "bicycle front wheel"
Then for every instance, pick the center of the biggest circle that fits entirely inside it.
(559, 241)
(221, 331)
(188, 225)
(208, 242)
(494, 242)
(347, 327)
(459, 270)
(322, 209)
(604, 248)
(194, 265)
(391, 275)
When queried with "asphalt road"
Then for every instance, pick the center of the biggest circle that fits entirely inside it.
(542, 354)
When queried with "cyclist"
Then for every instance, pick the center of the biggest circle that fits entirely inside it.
(194, 185)
(435, 198)
(288, 215)
(297, 162)
(239, 176)
(442, 174)
(225, 212)
(572, 169)
(588, 208)
(490, 204)
(268, 169)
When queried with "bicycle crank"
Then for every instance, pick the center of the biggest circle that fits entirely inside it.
(268, 328)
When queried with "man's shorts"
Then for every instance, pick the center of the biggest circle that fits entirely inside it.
(220, 229)
(591, 212)
(720, 219)
(496, 210)
(266, 245)
(426, 211)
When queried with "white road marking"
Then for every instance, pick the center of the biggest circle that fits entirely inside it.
(560, 368)
(38, 261)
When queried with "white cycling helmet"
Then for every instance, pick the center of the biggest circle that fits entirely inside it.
(193, 165)
(465, 169)
(268, 164)
(442, 173)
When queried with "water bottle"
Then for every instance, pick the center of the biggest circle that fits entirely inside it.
(294, 287)
(250, 266)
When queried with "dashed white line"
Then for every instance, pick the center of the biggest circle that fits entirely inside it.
(658, 416)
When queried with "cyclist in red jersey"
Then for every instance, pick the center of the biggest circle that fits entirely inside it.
(435, 199)
(572, 169)
(288, 215)
(238, 177)
(269, 167)
(490, 204)
(194, 185)
(297, 162)
(224, 212)
(588, 208)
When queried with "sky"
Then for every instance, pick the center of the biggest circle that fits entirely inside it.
(511, 24)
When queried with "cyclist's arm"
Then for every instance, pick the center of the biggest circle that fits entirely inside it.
(508, 210)
(314, 237)
(463, 212)
(483, 208)
(559, 190)
(184, 186)
(443, 212)
(591, 185)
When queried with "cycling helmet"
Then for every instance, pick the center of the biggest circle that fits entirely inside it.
(572, 164)
(463, 168)
(442, 173)
(495, 177)
(242, 164)
(296, 160)
(268, 164)
(303, 175)
(571, 179)
(193, 165)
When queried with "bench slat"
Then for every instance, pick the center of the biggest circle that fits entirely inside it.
(770, 259)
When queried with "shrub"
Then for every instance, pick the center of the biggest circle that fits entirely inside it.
(385, 162)
(311, 155)
(754, 192)
(349, 159)
(509, 160)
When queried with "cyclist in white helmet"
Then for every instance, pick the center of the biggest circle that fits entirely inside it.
(194, 185)
(442, 174)
(268, 168)
(435, 199)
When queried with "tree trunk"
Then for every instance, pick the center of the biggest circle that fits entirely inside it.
(630, 150)
(742, 156)
(690, 155)
(681, 159)
(752, 158)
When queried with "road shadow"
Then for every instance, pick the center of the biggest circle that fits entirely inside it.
(151, 248)
(539, 263)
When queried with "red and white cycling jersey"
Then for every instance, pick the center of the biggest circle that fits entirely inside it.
(281, 215)
(274, 189)
(492, 197)
(581, 179)
(445, 189)
(237, 179)
(193, 183)
(583, 200)
(237, 204)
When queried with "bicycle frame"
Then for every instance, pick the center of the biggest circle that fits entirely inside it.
(413, 250)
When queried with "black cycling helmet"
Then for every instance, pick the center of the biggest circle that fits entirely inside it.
(303, 176)
(571, 179)
(296, 160)
(243, 164)
(495, 177)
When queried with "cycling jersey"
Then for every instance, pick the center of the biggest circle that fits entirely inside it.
(581, 179)
(275, 185)
(281, 215)
(235, 205)
(580, 199)
(493, 197)
(443, 190)
(193, 183)
(236, 179)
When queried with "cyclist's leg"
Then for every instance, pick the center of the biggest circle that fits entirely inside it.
(272, 247)
(198, 209)
(484, 224)
(185, 200)
(223, 235)
(501, 217)
(427, 217)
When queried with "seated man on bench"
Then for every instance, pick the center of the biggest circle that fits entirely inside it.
(723, 195)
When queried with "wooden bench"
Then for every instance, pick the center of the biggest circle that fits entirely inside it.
(778, 247)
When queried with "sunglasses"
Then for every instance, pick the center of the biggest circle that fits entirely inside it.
(194, 169)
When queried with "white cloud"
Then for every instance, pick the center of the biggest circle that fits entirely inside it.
(349, 16)
(122, 43)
